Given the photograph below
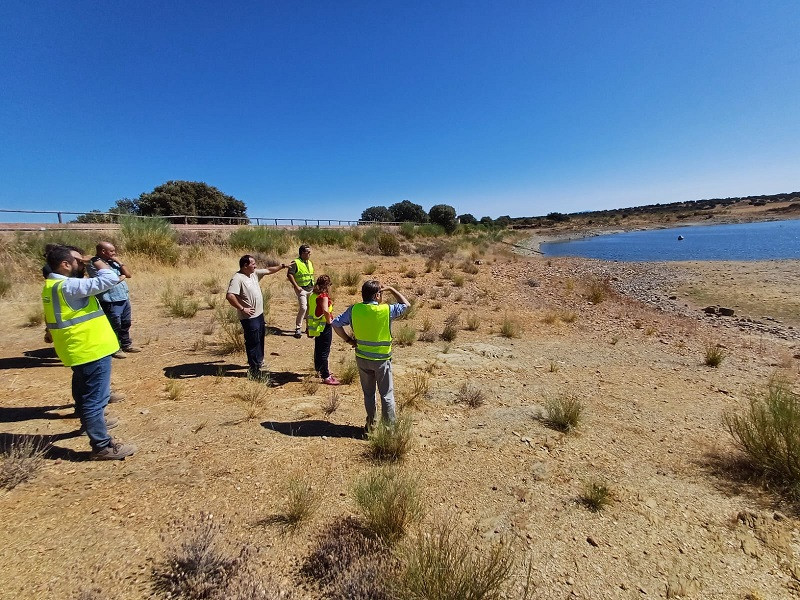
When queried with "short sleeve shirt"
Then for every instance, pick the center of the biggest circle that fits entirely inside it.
(248, 291)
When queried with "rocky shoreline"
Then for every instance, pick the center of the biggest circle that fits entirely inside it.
(656, 284)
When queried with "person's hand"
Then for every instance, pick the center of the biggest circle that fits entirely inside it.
(249, 311)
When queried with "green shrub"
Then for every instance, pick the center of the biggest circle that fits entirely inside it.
(301, 503)
(370, 268)
(32, 245)
(390, 441)
(430, 230)
(261, 239)
(388, 244)
(349, 372)
(408, 230)
(152, 237)
(768, 431)
(564, 412)
(446, 565)
(351, 277)
(178, 305)
(316, 236)
(389, 502)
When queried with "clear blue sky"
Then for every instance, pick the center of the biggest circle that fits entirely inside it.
(322, 109)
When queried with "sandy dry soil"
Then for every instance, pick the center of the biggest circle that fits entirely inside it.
(653, 430)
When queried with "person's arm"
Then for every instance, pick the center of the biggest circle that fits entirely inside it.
(269, 270)
(344, 335)
(339, 324)
(290, 277)
(75, 287)
(233, 300)
(123, 270)
(400, 298)
(323, 303)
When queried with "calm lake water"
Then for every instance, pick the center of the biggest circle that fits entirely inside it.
(750, 241)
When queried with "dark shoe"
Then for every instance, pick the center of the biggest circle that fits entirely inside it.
(131, 349)
(116, 397)
(297, 333)
(48, 338)
(116, 451)
(119, 354)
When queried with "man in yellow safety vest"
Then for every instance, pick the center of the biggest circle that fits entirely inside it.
(84, 340)
(301, 276)
(372, 339)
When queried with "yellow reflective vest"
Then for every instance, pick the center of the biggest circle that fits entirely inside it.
(305, 272)
(370, 323)
(316, 324)
(80, 334)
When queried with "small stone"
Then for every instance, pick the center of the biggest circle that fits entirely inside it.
(592, 541)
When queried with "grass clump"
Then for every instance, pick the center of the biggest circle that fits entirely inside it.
(349, 372)
(351, 277)
(416, 392)
(370, 268)
(405, 335)
(317, 236)
(331, 403)
(596, 495)
(178, 305)
(5, 284)
(598, 290)
(261, 239)
(564, 412)
(174, 389)
(713, 356)
(768, 432)
(473, 322)
(470, 395)
(20, 461)
(390, 441)
(389, 502)
(388, 244)
(230, 338)
(445, 565)
(152, 237)
(310, 384)
(302, 501)
(509, 328)
(450, 330)
(35, 317)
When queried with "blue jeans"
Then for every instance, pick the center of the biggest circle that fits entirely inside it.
(254, 332)
(119, 315)
(91, 389)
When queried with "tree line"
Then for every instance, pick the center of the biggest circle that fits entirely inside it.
(439, 214)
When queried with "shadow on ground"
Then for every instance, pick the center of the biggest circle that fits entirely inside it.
(7, 440)
(31, 359)
(315, 428)
(15, 414)
(218, 368)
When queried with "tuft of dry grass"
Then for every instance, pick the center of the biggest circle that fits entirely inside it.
(405, 335)
(713, 356)
(310, 384)
(20, 461)
(349, 372)
(568, 316)
(389, 501)
(174, 389)
(391, 441)
(417, 391)
(178, 305)
(450, 330)
(564, 412)
(331, 403)
(470, 395)
(598, 290)
(509, 328)
(596, 495)
(473, 322)
(302, 501)
(370, 268)
(35, 317)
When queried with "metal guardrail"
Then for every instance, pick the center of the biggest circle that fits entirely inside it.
(185, 219)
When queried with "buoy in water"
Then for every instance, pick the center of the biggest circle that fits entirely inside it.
(680, 237)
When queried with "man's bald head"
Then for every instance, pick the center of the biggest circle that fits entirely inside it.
(106, 251)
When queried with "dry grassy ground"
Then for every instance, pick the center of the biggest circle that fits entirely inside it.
(653, 431)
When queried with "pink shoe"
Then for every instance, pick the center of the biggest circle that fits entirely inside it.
(331, 380)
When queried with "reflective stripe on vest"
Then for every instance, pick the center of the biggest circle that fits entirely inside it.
(316, 325)
(370, 323)
(80, 335)
(305, 272)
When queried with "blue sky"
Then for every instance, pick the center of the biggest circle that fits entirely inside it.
(321, 109)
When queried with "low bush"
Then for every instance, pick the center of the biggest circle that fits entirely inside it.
(388, 244)
(473, 322)
(768, 432)
(302, 502)
(349, 372)
(390, 441)
(20, 461)
(152, 237)
(389, 502)
(598, 290)
(261, 239)
(564, 412)
(509, 328)
(408, 230)
(178, 305)
(470, 268)
(351, 277)
(317, 236)
(446, 565)
(450, 330)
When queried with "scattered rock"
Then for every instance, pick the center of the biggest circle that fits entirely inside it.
(726, 312)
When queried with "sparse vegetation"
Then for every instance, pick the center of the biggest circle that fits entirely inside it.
(5, 284)
(416, 392)
(178, 305)
(35, 317)
(302, 501)
(450, 330)
(370, 268)
(564, 412)
(598, 290)
(174, 389)
(473, 322)
(349, 372)
(389, 501)
(768, 432)
(509, 328)
(261, 239)
(405, 335)
(20, 461)
(390, 441)
(331, 403)
(310, 384)
(152, 237)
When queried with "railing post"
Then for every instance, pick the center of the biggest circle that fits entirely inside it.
(59, 218)
(276, 222)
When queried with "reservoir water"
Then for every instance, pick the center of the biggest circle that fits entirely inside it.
(747, 241)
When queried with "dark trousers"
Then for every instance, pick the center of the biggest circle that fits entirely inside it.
(91, 389)
(254, 332)
(119, 315)
(322, 349)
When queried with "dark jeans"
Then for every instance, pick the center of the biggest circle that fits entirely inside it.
(322, 349)
(254, 332)
(91, 389)
(119, 315)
